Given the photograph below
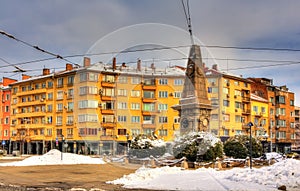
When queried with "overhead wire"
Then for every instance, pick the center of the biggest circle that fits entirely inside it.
(34, 46)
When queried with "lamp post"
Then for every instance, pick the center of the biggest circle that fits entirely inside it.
(250, 124)
(127, 143)
(62, 146)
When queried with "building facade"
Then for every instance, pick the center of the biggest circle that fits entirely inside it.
(94, 108)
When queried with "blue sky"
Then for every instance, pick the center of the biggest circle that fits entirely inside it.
(68, 27)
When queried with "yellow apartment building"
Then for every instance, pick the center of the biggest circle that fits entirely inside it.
(230, 96)
(94, 109)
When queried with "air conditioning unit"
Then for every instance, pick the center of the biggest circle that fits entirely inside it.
(42, 100)
(277, 127)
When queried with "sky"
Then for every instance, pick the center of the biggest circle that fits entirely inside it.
(74, 27)
(268, 178)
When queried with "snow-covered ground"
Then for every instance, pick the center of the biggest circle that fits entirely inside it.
(286, 172)
(55, 157)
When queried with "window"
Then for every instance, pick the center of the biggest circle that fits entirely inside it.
(59, 107)
(69, 132)
(135, 93)
(149, 81)
(292, 103)
(15, 90)
(293, 135)
(83, 104)
(225, 90)
(59, 120)
(255, 109)
(226, 117)
(178, 82)
(135, 106)
(162, 107)
(122, 118)
(108, 105)
(108, 92)
(60, 95)
(135, 132)
(60, 82)
(238, 132)
(122, 105)
(226, 132)
(50, 84)
(49, 108)
(121, 131)
(163, 94)
(163, 81)
(15, 101)
(238, 119)
(237, 105)
(135, 80)
(7, 97)
(108, 118)
(237, 83)
(49, 120)
(280, 99)
(148, 131)
(177, 94)
(280, 111)
(135, 119)
(163, 132)
(281, 135)
(6, 108)
(44, 85)
(92, 77)
(281, 123)
(49, 132)
(237, 93)
(70, 93)
(263, 110)
(226, 103)
(149, 107)
(292, 125)
(148, 120)
(70, 119)
(163, 119)
(23, 88)
(149, 94)
(70, 106)
(122, 92)
(88, 90)
(87, 118)
(70, 80)
(109, 78)
(50, 96)
(122, 79)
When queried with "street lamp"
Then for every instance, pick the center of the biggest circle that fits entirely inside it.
(250, 124)
(62, 146)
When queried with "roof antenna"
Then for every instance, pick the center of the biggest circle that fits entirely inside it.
(187, 14)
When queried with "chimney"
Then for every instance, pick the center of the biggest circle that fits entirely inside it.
(114, 64)
(139, 65)
(86, 62)
(69, 67)
(46, 71)
(215, 67)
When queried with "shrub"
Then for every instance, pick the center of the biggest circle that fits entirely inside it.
(239, 147)
(202, 144)
(142, 146)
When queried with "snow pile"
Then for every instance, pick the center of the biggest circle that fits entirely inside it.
(286, 173)
(55, 157)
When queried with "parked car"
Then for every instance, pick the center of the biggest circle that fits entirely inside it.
(292, 155)
(272, 155)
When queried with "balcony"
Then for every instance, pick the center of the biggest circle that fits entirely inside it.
(149, 86)
(246, 111)
(245, 99)
(108, 111)
(107, 98)
(108, 84)
(108, 124)
(149, 99)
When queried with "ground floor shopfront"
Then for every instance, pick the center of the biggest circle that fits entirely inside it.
(79, 147)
